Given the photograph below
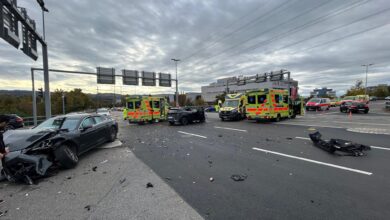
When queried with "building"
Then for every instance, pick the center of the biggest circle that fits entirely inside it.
(323, 92)
(242, 84)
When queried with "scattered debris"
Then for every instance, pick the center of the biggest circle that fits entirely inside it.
(188, 154)
(220, 135)
(347, 147)
(1, 201)
(104, 161)
(122, 180)
(267, 139)
(3, 213)
(193, 182)
(104, 172)
(168, 178)
(289, 138)
(238, 177)
(311, 129)
(68, 177)
(210, 162)
(211, 179)
(149, 185)
(312, 201)
(26, 194)
(59, 192)
(290, 174)
(87, 207)
(94, 168)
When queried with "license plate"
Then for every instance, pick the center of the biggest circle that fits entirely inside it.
(170, 117)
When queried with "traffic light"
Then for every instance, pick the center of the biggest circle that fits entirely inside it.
(40, 93)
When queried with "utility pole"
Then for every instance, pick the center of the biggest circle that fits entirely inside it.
(366, 65)
(34, 99)
(177, 89)
(63, 103)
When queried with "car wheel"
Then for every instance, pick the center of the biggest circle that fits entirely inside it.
(222, 119)
(328, 108)
(171, 123)
(184, 121)
(307, 109)
(66, 156)
(366, 111)
(293, 116)
(113, 134)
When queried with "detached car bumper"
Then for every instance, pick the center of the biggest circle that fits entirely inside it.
(18, 166)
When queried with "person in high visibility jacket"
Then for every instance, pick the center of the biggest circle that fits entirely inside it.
(125, 114)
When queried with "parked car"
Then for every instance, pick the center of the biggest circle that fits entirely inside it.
(373, 98)
(15, 122)
(57, 141)
(103, 111)
(387, 104)
(387, 98)
(318, 104)
(353, 106)
(186, 115)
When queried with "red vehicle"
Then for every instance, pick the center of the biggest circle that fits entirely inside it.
(318, 104)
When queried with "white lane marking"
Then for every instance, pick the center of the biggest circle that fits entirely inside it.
(357, 123)
(375, 147)
(197, 135)
(381, 148)
(314, 161)
(307, 125)
(233, 129)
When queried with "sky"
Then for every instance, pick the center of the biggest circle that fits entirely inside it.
(323, 43)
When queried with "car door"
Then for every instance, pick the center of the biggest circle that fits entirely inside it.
(88, 134)
(102, 128)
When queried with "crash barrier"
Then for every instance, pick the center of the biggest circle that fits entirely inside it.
(29, 121)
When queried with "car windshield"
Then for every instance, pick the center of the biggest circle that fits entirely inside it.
(230, 103)
(59, 123)
(315, 100)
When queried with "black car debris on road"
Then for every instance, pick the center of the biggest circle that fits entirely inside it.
(354, 107)
(186, 115)
(57, 142)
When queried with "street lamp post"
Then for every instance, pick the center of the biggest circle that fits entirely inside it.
(177, 89)
(366, 65)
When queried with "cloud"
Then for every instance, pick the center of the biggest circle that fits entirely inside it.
(213, 39)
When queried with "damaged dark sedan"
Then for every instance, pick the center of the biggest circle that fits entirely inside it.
(57, 142)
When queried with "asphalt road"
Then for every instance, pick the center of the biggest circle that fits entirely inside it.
(287, 177)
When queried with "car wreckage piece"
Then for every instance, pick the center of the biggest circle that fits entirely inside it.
(347, 147)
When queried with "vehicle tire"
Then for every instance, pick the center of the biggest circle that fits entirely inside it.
(328, 108)
(307, 109)
(319, 108)
(365, 111)
(184, 121)
(66, 156)
(171, 123)
(293, 116)
(202, 120)
(113, 134)
(222, 119)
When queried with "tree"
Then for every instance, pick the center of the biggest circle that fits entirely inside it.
(381, 91)
(220, 97)
(199, 101)
(182, 99)
(357, 89)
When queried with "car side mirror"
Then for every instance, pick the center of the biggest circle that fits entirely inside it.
(86, 127)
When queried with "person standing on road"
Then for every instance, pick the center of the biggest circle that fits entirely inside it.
(4, 119)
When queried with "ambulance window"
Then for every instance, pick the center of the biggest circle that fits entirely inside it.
(137, 104)
(261, 99)
(285, 99)
(150, 104)
(277, 100)
(156, 104)
(252, 99)
(130, 105)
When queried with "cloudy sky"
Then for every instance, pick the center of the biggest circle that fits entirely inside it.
(322, 42)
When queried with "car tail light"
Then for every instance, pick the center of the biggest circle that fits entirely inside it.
(366, 106)
(19, 119)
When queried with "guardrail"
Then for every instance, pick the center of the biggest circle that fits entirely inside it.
(29, 121)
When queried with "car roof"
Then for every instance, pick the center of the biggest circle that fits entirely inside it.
(76, 115)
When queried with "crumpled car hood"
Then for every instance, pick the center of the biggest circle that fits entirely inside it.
(17, 140)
